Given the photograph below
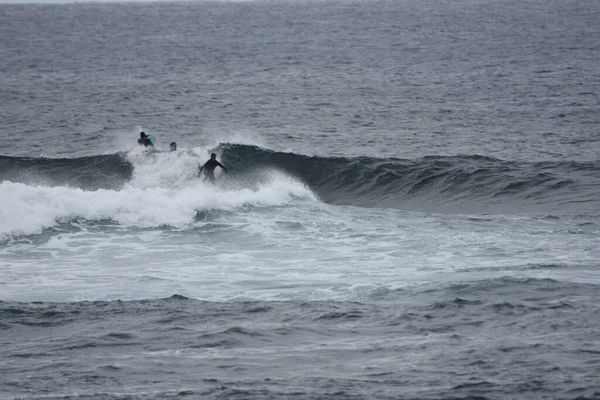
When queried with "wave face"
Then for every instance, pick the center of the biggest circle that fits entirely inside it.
(110, 171)
(469, 183)
(465, 184)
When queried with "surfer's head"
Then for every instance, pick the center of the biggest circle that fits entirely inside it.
(142, 135)
(213, 156)
(173, 146)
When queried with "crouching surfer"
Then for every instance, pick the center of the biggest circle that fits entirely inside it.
(146, 140)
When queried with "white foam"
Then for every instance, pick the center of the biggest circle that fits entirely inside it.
(156, 198)
(164, 169)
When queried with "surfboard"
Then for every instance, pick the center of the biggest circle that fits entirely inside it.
(209, 186)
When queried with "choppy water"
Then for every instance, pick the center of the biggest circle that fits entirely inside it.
(411, 209)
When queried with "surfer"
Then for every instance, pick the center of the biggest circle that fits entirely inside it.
(146, 140)
(209, 168)
(173, 146)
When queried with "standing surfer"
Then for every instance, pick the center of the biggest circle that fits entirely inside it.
(209, 168)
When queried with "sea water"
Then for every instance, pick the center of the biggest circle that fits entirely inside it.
(410, 210)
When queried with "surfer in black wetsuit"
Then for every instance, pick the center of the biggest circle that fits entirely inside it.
(209, 168)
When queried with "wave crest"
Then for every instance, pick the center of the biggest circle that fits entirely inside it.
(467, 184)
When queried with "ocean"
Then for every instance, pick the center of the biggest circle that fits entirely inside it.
(410, 208)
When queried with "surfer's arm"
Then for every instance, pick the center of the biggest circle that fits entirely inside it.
(222, 166)
(200, 169)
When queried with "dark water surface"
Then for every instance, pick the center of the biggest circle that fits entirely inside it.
(410, 210)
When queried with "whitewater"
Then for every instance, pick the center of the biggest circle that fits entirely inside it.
(164, 232)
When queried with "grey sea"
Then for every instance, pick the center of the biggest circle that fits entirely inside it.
(410, 209)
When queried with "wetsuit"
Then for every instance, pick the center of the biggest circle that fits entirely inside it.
(147, 140)
(209, 169)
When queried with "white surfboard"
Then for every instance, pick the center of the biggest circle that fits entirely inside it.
(209, 185)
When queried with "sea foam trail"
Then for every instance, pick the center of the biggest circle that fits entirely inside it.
(26, 209)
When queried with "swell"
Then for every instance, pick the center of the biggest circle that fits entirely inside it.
(109, 171)
(466, 183)
(497, 294)
(512, 329)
